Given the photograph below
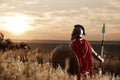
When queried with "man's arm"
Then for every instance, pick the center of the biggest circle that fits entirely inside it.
(97, 56)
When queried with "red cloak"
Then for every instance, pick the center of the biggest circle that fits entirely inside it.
(83, 51)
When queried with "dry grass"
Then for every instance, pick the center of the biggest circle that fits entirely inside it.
(12, 67)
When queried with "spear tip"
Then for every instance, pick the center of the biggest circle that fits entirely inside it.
(103, 29)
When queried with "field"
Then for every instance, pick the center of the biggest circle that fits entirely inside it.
(35, 64)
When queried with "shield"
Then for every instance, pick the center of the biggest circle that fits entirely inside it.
(62, 53)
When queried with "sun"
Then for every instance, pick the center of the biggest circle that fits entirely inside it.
(17, 23)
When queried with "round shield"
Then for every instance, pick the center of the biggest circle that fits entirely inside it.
(63, 53)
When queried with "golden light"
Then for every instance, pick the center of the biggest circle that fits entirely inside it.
(17, 23)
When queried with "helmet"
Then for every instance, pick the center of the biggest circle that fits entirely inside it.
(78, 31)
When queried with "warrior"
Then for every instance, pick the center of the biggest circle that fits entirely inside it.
(83, 51)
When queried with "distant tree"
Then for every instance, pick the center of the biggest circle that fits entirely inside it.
(1, 37)
(23, 45)
(7, 44)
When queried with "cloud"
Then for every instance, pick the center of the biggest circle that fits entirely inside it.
(3, 5)
(114, 3)
(31, 2)
(63, 21)
(51, 16)
(53, 5)
(82, 14)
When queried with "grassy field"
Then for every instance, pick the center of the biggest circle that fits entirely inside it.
(35, 64)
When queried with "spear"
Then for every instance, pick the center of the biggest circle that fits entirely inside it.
(103, 38)
(102, 48)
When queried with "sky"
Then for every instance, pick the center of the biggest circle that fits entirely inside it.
(55, 19)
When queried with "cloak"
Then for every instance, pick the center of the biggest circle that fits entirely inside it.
(83, 52)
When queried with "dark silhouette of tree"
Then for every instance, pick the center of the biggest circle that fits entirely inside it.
(1, 37)
(7, 44)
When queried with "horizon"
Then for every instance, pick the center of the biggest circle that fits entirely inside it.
(61, 40)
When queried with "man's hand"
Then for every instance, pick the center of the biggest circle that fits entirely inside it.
(101, 59)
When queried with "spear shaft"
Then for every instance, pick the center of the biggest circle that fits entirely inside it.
(103, 38)
(102, 47)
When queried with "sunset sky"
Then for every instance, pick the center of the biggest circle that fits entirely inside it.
(54, 19)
